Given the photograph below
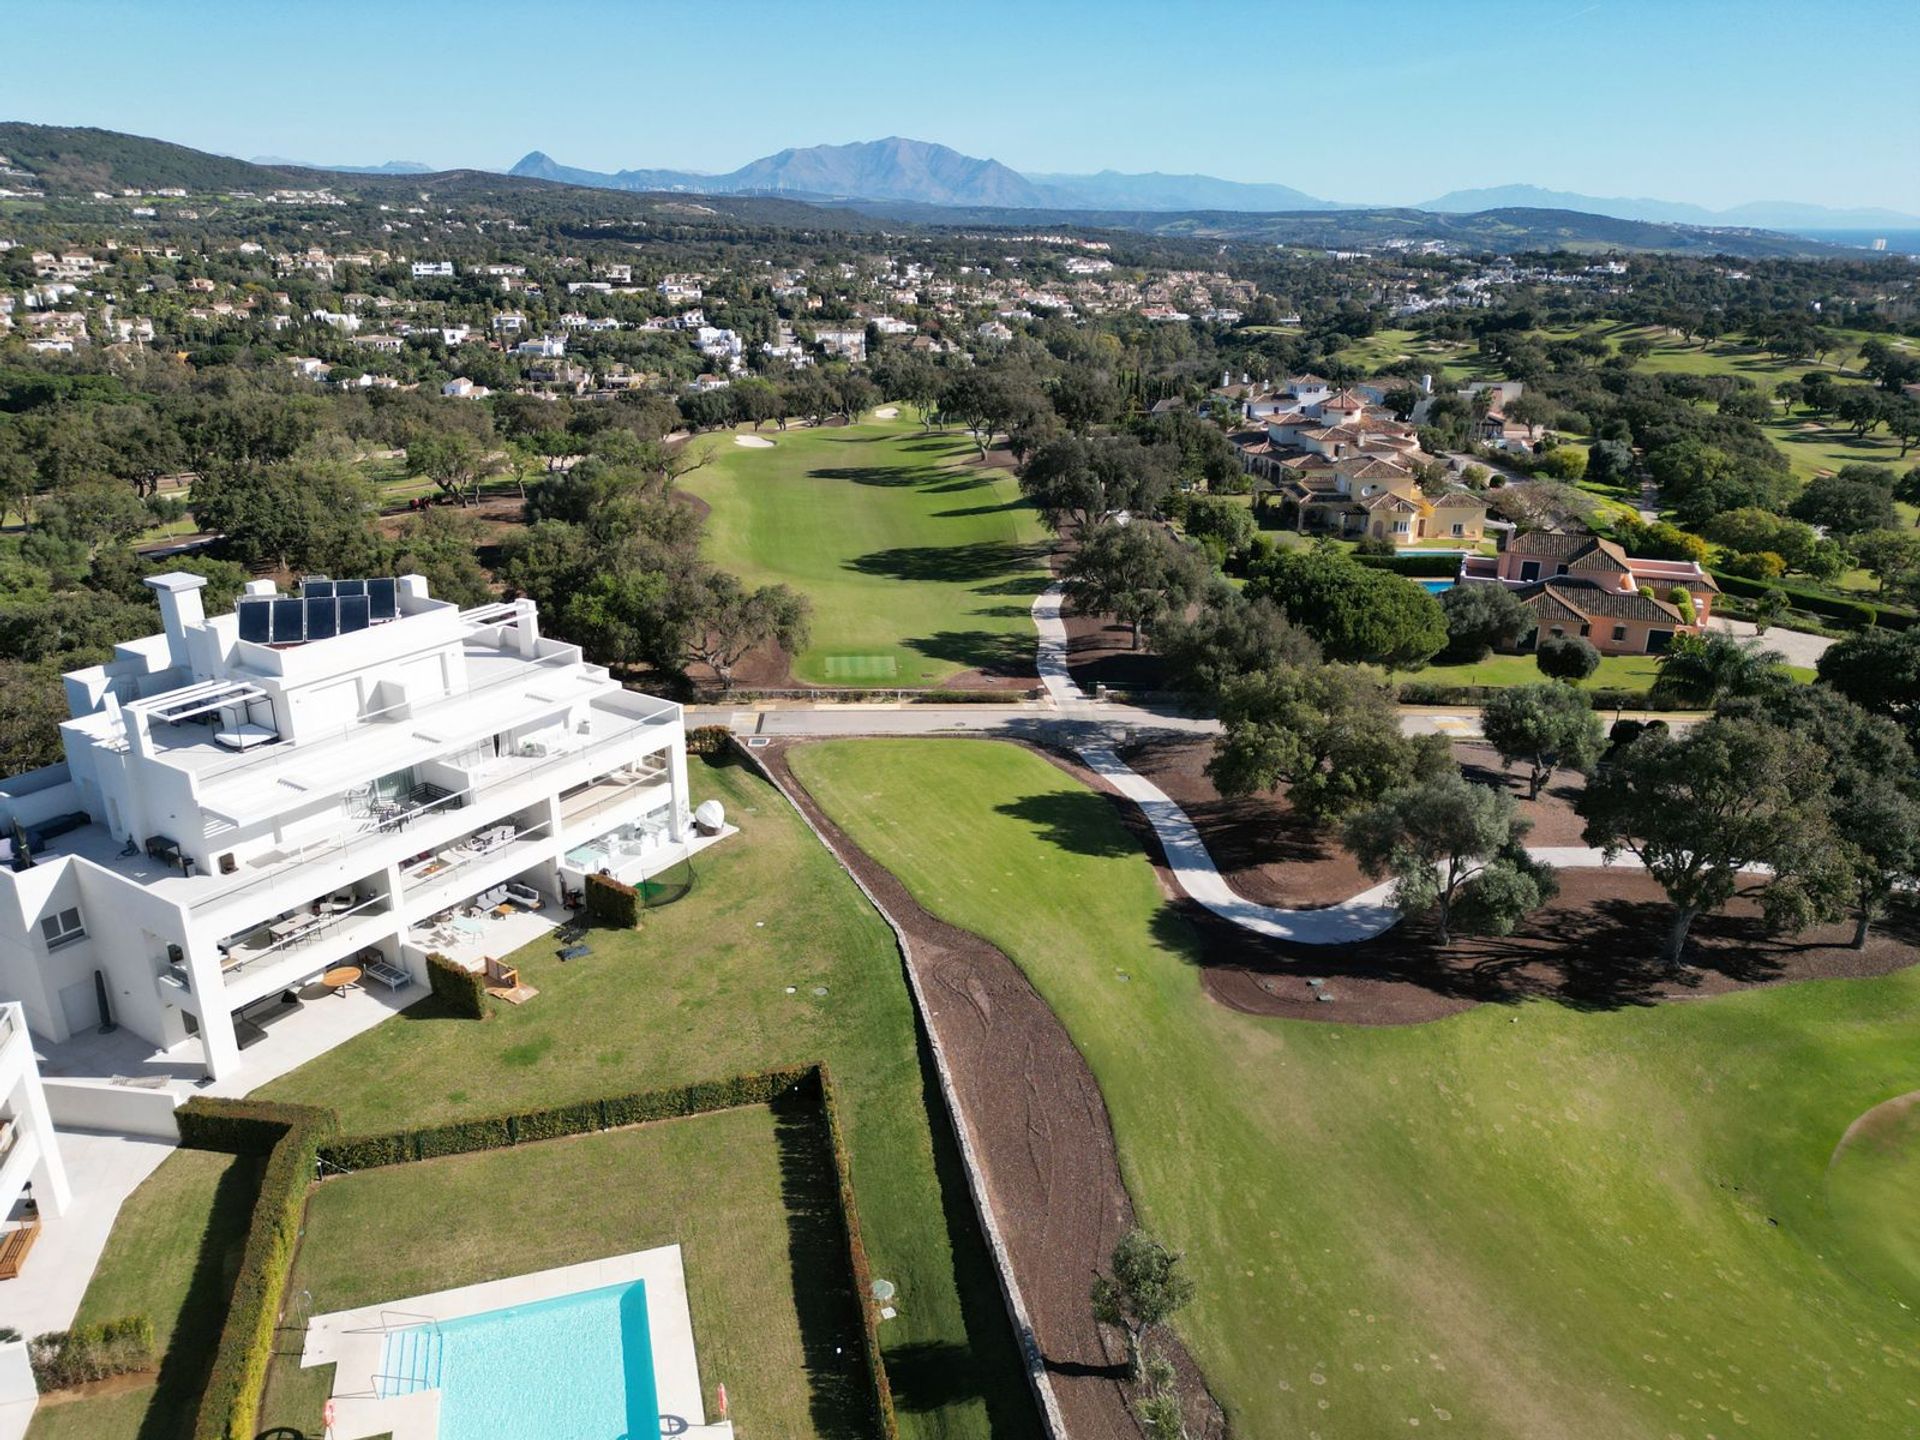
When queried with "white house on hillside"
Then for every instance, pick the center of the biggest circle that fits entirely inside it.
(358, 775)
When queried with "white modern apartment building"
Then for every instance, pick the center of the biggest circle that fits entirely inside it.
(251, 800)
(33, 1182)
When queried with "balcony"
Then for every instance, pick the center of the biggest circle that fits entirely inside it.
(365, 815)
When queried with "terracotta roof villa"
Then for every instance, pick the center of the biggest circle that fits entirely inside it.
(1579, 584)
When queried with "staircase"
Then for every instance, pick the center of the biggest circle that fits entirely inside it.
(409, 1361)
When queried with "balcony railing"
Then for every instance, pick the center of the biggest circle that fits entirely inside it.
(363, 821)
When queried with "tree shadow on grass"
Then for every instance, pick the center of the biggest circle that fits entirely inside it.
(1002, 508)
(1078, 820)
(888, 476)
(832, 1350)
(196, 1330)
(993, 652)
(933, 1375)
(954, 564)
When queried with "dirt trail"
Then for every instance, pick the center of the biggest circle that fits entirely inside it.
(1043, 1138)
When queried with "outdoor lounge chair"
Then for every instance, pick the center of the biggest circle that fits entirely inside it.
(376, 965)
(525, 896)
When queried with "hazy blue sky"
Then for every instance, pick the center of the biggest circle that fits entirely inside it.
(1714, 101)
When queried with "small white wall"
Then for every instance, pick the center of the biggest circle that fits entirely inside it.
(16, 1374)
(124, 1109)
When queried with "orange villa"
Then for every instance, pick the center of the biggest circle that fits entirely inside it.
(1579, 584)
(1340, 465)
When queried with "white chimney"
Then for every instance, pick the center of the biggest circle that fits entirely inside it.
(179, 594)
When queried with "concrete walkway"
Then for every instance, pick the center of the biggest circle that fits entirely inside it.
(1052, 655)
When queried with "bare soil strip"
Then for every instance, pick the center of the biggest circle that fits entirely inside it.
(1043, 1137)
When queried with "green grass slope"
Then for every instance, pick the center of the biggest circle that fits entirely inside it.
(919, 565)
(1522, 1221)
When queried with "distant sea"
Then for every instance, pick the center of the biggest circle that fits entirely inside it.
(1901, 242)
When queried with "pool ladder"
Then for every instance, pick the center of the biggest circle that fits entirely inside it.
(410, 1356)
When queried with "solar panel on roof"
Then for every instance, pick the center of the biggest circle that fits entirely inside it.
(256, 620)
(323, 616)
(383, 599)
(349, 587)
(289, 622)
(313, 589)
(353, 613)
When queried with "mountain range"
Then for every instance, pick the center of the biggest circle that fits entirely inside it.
(391, 167)
(833, 187)
(919, 172)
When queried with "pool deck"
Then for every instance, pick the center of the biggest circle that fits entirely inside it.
(351, 1341)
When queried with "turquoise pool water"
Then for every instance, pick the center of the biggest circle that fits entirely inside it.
(1434, 587)
(578, 1367)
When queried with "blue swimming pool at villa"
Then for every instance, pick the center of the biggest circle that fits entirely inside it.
(1434, 587)
(576, 1367)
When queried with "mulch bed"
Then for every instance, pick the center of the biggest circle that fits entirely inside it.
(1595, 946)
(1043, 1137)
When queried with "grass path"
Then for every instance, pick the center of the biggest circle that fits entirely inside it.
(919, 564)
(1522, 1221)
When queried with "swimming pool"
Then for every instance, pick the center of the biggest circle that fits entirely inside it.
(1434, 587)
(576, 1367)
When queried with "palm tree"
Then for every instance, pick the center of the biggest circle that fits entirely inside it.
(1708, 668)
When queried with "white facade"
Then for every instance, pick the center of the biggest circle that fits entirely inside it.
(235, 818)
(30, 1166)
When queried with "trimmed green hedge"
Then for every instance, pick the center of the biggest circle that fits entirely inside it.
(1420, 563)
(610, 1112)
(230, 1405)
(462, 991)
(708, 739)
(879, 1388)
(612, 903)
(1854, 614)
(62, 1359)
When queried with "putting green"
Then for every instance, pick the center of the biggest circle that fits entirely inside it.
(1527, 1220)
(920, 564)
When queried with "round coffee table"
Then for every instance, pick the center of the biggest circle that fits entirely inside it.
(341, 978)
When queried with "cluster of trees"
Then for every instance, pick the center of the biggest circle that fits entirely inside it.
(613, 561)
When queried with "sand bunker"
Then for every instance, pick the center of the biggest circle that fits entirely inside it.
(886, 412)
(753, 442)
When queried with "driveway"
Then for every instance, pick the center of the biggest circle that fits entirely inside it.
(1798, 647)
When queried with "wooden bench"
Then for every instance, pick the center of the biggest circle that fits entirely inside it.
(14, 1246)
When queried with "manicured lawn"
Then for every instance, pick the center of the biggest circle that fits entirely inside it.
(1624, 672)
(173, 1254)
(919, 564)
(743, 1193)
(721, 983)
(1526, 1220)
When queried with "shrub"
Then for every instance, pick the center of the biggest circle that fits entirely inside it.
(229, 1407)
(579, 1117)
(1854, 614)
(1567, 657)
(460, 991)
(62, 1359)
(611, 903)
(1756, 565)
(1682, 600)
(708, 739)
(1372, 546)
(1427, 564)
